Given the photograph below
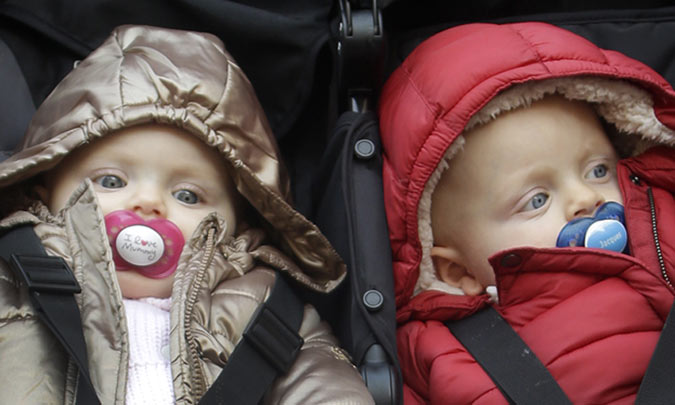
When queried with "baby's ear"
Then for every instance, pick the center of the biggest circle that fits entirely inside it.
(452, 271)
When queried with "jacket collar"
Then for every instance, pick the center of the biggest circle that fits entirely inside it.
(527, 275)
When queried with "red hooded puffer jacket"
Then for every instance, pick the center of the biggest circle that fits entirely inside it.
(593, 326)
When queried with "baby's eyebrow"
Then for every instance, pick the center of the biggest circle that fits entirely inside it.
(526, 179)
(207, 185)
(523, 176)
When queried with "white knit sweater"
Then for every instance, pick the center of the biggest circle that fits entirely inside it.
(149, 380)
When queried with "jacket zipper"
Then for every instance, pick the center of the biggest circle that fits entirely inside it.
(655, 232)
(199, 386)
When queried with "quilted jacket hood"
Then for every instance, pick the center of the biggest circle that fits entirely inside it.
(144, 74)
(466, 76)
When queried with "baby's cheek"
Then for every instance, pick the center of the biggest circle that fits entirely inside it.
(616, 196)
(611, 191)
(57, 197)
(109, 203)
(187, 228)
(188, 222)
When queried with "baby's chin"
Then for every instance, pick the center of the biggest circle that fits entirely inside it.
(133, 285)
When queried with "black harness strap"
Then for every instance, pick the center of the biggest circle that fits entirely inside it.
(51, 285)
(657, 384)
(267, 349)
(515, 369)
(522, 378)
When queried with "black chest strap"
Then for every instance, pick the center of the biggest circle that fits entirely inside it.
(51, 285)
(657, 384)
(267, 349)
(522, 378)
(514, 368)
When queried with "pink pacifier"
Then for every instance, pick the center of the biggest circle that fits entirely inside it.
(151, 248)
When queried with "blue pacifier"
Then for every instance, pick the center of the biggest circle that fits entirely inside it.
(605, 230)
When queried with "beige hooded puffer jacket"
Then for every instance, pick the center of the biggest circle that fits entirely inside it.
(184, 79)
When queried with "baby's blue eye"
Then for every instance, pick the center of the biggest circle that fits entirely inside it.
(110, 181)
(599, 171)
(536, 202)
(186, 196)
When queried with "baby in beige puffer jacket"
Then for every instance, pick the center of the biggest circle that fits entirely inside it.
(152, 171)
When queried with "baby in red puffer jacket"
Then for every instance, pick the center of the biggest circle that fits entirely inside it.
(495, 138)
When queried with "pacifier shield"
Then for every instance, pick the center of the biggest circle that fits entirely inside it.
(573, 233)
(605, 230)
(151, 248)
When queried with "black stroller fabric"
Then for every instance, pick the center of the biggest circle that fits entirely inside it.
(351, 214)
(16, 103)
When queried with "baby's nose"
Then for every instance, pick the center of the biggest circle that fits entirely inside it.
(584, 203)
(148, 203)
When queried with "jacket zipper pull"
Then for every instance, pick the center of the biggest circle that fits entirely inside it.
(655, 233)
